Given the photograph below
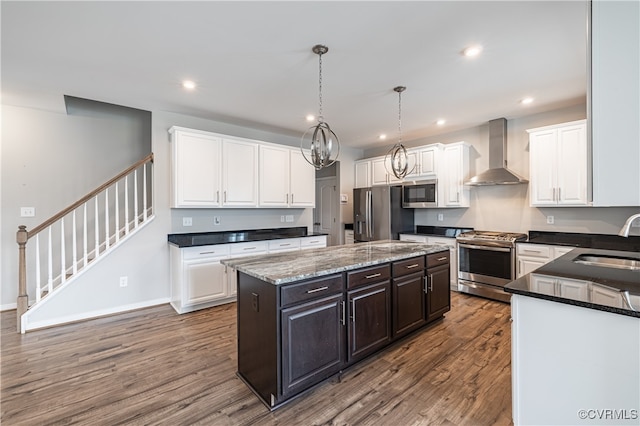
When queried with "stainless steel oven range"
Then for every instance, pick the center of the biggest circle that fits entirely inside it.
(487, 262)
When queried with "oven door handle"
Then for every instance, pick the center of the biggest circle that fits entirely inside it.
(491, 248)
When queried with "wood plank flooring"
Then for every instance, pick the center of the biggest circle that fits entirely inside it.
(153, 366)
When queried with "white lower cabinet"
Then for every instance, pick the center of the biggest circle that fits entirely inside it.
(532, 256)
(199, 280)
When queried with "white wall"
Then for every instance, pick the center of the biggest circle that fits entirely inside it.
(40, 140)
(506, 207)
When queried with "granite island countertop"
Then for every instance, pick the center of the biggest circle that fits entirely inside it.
(296, 266)
(590, 286)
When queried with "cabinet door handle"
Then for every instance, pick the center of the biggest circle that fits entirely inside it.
(225, 196)
(413, 266)
(287, 198)
(554, 194)
(440, 259)
(353, 311)
(426, 281)
(315, 290)
(218, 196)
(343, 312)
(430, 280)
(559, 196)
(372, 276)
(291, 198)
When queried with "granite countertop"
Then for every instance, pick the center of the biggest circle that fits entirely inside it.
(595, 287)
(294, 266)
(226, 237)
(597, 241)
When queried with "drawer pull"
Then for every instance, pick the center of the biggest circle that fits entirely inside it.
(442, 258)
(315, 290)
(249, 248)
(314, 242)
(284, 245)
(413, 266)
(531, 251)
(373, 276)
(207, 252)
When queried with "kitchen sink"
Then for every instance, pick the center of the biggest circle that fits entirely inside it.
(617, 262)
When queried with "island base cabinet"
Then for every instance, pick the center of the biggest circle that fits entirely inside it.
(258, 337)
(312, 343)
(408, 304)
(369, 319)
(437, 289)
(573, 365)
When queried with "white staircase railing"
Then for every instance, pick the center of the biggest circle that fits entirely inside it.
(73, 239)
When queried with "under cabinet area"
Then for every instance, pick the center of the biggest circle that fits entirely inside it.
(295, 335)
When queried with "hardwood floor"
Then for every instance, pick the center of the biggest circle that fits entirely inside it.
(156, 367)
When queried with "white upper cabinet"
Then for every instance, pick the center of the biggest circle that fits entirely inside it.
(559, 165)
(210, 170)
(239, 173)
(615, 96)
(380, 174)
(362, 171)
(195, 165)
(453, 172)
(302, 181)
(274, 176)
(286, 178)
(423, 161)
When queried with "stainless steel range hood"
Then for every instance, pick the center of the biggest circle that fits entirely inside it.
(498, 174)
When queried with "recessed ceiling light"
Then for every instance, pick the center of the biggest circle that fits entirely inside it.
(472, 51)
(310, 117)
(441, 122)
(382, 137)
(526, 101)
(189, 85)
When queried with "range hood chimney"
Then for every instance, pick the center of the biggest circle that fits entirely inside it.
(498, 174)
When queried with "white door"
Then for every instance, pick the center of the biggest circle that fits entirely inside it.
(326, 211)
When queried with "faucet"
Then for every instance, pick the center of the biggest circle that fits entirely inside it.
(624, 232)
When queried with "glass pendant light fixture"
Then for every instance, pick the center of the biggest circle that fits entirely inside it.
(319, 144)
(397, 157)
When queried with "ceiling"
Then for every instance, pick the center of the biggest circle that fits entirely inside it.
(253, 64)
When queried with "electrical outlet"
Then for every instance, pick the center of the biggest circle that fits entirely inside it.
(187, 221)
(440, 217)
(289, 218)
(27, 211)
(282, 218)
(124, 281)
(216, 220)
(550, 220)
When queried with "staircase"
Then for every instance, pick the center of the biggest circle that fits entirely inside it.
(55, 253)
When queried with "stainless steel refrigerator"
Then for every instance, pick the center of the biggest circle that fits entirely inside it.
(378, 214)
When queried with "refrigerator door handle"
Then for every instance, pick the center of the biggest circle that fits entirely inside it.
(369, 215)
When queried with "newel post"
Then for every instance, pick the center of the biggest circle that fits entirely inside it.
(23, 299)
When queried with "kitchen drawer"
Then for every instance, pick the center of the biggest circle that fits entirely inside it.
(533, 250)
(284, 244)
(319, 287)
(368, 275)
(437, 259)
(409, 266)
(249, 248)
(313, 242)
(198, 252)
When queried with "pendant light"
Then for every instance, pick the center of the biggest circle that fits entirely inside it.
(320, 140)
(397, 156)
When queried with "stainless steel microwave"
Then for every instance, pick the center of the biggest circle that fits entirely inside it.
(420, 194)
